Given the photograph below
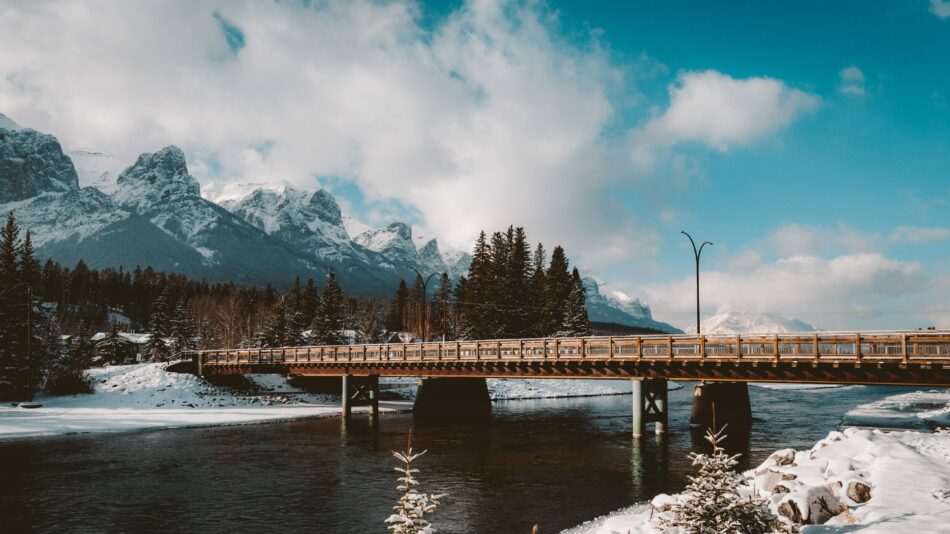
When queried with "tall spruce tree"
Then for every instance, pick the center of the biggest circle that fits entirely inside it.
(440, 311)
(575, 322)
(15, 308)
(159, 328)
(557, 289)
(536, 290)
(396, 320)
(275, 331)
(183, 328)
(476, 312)
(68, 373)
(329, 329)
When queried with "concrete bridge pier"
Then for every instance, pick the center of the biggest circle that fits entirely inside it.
(720, 403)
(649, 405)
(452, 399)
(360, 391)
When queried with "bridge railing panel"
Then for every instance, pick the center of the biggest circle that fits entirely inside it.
(534, 349)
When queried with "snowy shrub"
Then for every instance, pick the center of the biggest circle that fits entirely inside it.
(412, 506)
(712, 502)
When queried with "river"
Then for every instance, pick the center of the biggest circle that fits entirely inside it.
(555, 462)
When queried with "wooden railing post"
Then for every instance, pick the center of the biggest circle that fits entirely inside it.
(669, 345)
(738, 346)
(817, 349)
(610, 348)
(702, 346)
(639, 347)
(775, 353)
(904, 354)
(857, 347)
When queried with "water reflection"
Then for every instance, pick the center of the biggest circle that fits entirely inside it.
(553, 462)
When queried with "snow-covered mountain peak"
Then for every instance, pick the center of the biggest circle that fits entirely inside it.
(737, 322)
(394, 241)
(326, 207)
(8, 123)
(155, 177)
(32, 163)
(609, 308)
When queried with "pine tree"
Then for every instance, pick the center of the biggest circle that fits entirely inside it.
(557, 289)
(575, 322)
(15, 369)
(713, 503)
(297, 322)
(183, 326)
(113, 348)
(329, 326)
(536, 293)
(50, 346)
(275, 331)
(159, 328)
(476, 312)
(441, 307)
(412, 508)
(369, 325)
(396, 320)
(67, 374)
(30, 283)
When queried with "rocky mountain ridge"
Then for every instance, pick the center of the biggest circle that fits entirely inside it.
(153, 213)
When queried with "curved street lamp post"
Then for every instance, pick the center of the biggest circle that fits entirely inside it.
(425, 283)
(696, 252)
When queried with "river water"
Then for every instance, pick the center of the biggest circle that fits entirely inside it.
(555, 462)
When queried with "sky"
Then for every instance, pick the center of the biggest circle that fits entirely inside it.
(809, 141)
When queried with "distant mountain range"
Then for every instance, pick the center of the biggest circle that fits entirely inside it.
(735, 322)
(85, 205)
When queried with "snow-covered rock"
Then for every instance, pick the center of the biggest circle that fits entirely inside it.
(33, 163)
(616, 307)
(736, 322)
(96, 169)
(394, 242)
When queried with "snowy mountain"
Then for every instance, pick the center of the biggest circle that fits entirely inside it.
(32, 163)
(96, 169)
(620, 309)
(85, 205)
(735, 322)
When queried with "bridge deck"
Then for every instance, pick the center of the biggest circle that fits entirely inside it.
(910, 357)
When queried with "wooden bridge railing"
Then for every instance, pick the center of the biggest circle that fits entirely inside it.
(890, 346)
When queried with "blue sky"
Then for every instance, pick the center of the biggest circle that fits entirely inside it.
(807, 140)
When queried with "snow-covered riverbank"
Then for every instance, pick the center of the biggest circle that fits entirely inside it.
(144, 396)
(860, 479)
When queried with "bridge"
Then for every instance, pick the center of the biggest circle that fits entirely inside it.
(721, 362)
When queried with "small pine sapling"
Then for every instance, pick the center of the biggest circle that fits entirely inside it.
(713, 503)
(411, 510)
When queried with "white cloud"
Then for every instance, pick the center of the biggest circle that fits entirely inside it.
(808, 240)
(851, 81)
(917, 234)
(841, 292)
(722, 112)
(488, 120)
(941, 8)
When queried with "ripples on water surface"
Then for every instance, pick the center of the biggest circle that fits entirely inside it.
(555, 462)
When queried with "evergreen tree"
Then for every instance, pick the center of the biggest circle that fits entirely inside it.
(412, 508)
(536, 293)
(441, 307)
(297, 322)
(113, 348)
(713, 503)
(183, 326)
(557, 289)
(67, 373)
(15, 307)
(476, 313)
(369, 325)
(50, 347)
(575, 322)
(275, 331)
(159, 328)
(330, 321)
(517, 286)
(396, 320)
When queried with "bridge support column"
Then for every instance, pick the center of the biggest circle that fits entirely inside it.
(649, 405)
(452, 399)
(345, 397)
(720, 403)
(360, 391)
